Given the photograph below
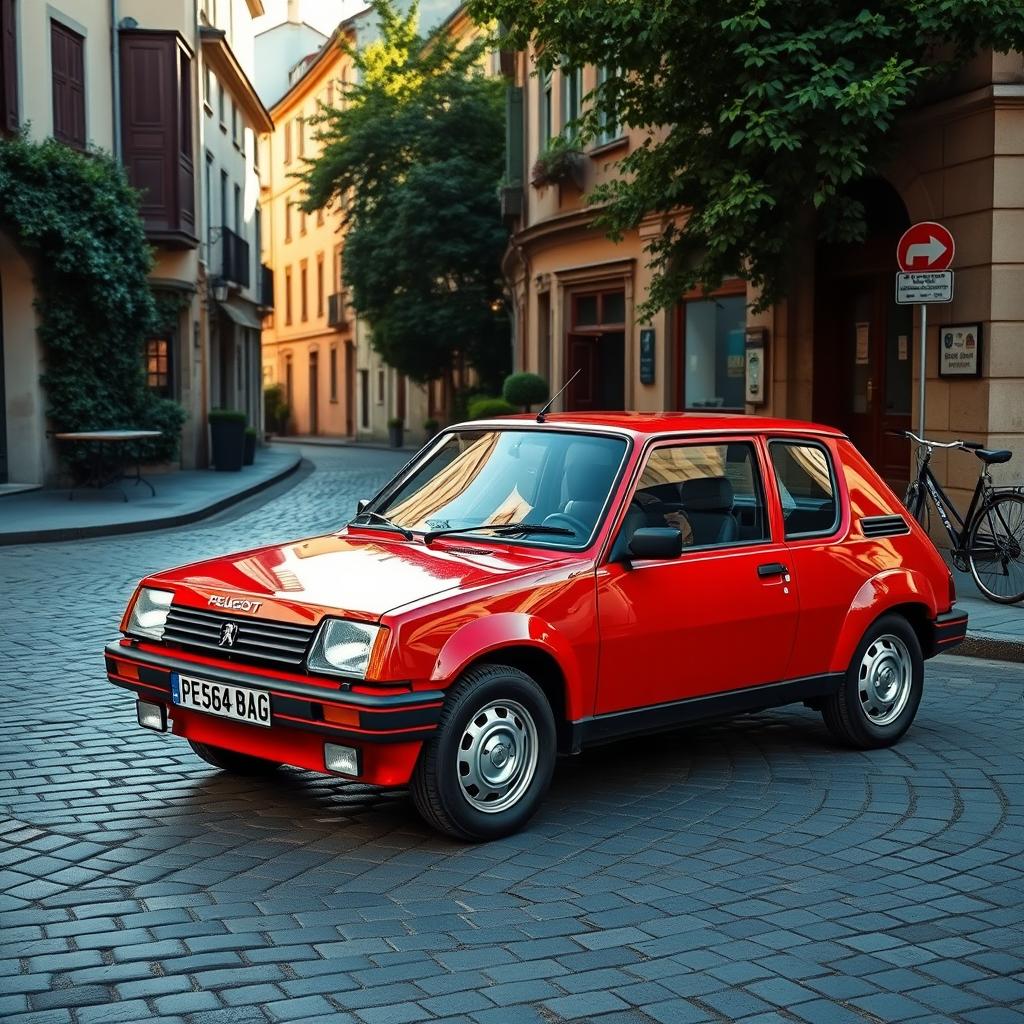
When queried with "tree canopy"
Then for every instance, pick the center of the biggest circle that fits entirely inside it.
(413, 155)
(758, 112)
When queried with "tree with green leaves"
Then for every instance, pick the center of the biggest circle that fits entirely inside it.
(414, 155)
(760, 114)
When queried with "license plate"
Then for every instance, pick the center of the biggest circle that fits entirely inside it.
(236, 702)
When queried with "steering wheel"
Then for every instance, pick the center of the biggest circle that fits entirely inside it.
(578, 528)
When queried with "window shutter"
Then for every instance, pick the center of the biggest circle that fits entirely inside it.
(67, 57)
(8, 68)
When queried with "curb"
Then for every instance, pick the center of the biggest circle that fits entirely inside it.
(147, 525)
(341, 443)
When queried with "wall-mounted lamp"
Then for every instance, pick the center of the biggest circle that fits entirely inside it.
(220, 289)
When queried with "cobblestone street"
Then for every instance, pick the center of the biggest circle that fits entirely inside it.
(746, 871)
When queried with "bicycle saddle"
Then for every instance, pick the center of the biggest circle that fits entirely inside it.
(993, 458)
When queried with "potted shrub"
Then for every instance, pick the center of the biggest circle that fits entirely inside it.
(430, 428)
(562, 161)
(249, 456)
(396, 430)
(525, 390)
(227, 438)
(485, 407)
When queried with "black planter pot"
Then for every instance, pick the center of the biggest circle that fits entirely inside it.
(228, 444)
(395, 436)
(249, 456)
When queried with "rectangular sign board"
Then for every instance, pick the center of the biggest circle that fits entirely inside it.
(926, 286)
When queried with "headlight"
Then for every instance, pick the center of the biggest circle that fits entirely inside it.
(149, 614)
(342, 648)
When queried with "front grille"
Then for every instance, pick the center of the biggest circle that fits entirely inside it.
(884, 526)
(272, 643)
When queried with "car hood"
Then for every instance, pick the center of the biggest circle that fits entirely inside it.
(362, 575)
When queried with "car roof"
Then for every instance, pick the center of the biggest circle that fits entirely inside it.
(648, 423)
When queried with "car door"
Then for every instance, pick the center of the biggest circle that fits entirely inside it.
(720, 617)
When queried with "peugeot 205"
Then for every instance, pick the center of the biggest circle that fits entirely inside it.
(527, 587)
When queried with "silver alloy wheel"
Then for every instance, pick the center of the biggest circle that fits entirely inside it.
(497, 756)
(885, 679)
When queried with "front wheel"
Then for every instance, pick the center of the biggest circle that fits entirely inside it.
(484, 772)
(995, 549)
(879, 696)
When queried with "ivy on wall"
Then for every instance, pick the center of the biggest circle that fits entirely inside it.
(76, 219)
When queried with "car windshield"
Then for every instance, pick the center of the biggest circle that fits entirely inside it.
(492, 477)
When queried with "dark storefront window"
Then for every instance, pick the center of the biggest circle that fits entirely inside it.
(158, 366)
(714, 339)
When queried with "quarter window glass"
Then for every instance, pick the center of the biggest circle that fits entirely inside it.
(806, 488)
(711, 493)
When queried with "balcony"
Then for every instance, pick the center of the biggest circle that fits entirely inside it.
(266, 297)
(235, 258)
(337, 310)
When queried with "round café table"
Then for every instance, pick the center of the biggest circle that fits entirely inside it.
(110, 454)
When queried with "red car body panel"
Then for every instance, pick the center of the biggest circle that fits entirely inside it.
(609, 638)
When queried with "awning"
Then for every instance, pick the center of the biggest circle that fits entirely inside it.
(242, 314)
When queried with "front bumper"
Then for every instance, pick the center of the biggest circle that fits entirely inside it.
(949, 629)
(388, 726)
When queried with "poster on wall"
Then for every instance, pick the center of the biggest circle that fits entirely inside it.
(960, 350)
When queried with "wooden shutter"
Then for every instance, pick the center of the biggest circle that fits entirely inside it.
(67, 58)
(8, 68)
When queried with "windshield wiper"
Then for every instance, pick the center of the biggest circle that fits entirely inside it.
(509, 528)
(378, 518)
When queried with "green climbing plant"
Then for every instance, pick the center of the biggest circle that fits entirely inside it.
(75, 218)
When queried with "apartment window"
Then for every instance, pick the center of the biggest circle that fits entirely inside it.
(319, 284)
(337, 283)
(234, 122)
(572, 91)
(302, 221)
(67, 57)
(158, 366)
(334, 373)
(546, 127)
(380, 386)
(714, 352)
(364, 399)
(224, 199)
(238, 210)
(303, 291)
(287, 296)
(330, 94)
(287, 142)
(207, 90)
(610, 128)
(288, 221)
(300, 125)
(210, 221)
(8, 68)
(220, 104)
(319, 216)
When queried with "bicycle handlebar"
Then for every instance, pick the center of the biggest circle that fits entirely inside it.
(940, 444)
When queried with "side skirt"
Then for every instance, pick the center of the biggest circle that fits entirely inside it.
(639, 721)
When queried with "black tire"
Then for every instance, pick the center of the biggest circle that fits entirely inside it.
(230, 761)
(998, 527)
(439, 779)
(848, 715)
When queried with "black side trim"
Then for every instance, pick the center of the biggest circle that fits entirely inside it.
(219, 674)
(949, 629)
(884, 526)
(635, 722)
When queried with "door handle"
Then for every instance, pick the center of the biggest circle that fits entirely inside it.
(771, 569)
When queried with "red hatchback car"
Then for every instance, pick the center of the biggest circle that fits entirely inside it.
(530, 586)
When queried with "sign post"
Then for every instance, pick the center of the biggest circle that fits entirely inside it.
(924, 255)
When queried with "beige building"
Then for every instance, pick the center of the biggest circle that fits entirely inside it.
(838, 349)
(191, 154)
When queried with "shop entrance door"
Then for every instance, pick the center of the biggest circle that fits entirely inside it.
(600, 385)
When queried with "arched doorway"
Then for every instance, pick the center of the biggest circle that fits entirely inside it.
(863, 341)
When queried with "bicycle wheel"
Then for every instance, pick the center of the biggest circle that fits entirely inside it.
(995, 549)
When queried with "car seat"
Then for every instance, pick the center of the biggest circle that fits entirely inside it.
(708, 504)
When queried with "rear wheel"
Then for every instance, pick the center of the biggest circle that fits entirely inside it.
(880, 694)
(484, 772)
(230, 761)
(995, 549)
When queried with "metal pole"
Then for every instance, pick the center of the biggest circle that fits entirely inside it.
(924, 364)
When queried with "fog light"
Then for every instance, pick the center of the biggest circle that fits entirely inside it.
(152, 716)
(343, 760)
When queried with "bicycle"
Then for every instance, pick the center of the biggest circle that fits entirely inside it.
(989, 540)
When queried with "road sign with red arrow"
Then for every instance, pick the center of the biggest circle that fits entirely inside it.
(925, 247)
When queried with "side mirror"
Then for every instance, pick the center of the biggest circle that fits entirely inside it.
(362, 505)
(656, 542)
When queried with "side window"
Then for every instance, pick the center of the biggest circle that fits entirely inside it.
(711, 493)
(807, 487)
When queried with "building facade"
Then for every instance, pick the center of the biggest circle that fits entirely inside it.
(137, 87)
(838, 349)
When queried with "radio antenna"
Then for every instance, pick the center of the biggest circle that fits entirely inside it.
(558, 394)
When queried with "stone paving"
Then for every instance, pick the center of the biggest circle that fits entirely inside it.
(747, 871)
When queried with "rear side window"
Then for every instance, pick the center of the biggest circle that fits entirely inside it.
(807, 487)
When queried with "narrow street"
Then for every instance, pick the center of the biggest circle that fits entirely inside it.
(745, 871)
